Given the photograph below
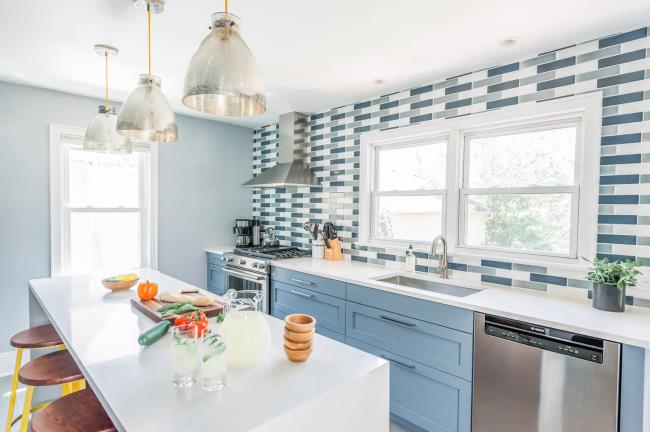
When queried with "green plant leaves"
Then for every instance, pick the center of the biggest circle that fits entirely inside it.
(619, 273)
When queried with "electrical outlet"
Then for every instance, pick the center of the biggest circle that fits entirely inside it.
(643, 280)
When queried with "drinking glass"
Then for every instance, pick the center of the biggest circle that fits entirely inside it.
(214, 362)
(185, 355)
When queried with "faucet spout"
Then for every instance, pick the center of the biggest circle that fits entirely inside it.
(443, 264)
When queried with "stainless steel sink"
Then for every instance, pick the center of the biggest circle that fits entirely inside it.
(428, 285)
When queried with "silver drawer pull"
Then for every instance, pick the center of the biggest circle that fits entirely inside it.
(302, 281)
(302, 294)
(397, 362)
(396, 321)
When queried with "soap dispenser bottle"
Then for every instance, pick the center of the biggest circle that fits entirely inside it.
(410, 259)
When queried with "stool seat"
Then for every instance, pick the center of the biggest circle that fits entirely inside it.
(51, 369)
(36, 337)
(77, 412)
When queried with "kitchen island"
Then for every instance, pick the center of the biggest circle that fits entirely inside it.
(339, 388)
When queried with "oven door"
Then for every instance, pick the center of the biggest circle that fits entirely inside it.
(242, 280)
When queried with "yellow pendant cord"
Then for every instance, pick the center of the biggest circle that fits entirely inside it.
(226, 7)
(106, 75)
(149, 35)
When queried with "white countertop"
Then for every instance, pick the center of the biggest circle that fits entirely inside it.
(100, 329)
(220, 250)
(567, 312)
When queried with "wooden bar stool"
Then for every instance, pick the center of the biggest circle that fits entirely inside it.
(77, 412)
(37, 337)
(51, 369)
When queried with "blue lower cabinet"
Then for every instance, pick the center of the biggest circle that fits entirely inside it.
(436, 346)
(632, 380)
(329, 311)
(319, 329)
(426, 398)
(216, 279)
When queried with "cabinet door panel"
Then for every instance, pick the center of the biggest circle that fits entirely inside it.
(216, 279)
(329, 311)
(314, 283)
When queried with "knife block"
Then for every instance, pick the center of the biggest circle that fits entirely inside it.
(333, 252)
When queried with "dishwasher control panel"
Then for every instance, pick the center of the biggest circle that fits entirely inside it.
(545, 343)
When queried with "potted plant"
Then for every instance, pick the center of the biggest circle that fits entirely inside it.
(610, 280)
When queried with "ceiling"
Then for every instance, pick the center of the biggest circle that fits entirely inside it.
(313, 54)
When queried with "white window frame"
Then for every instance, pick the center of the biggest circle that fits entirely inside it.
(62, 138)
(586, 109)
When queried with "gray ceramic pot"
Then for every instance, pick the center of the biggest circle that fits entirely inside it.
(609, 298)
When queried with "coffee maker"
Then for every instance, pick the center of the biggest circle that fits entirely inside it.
(247, 233)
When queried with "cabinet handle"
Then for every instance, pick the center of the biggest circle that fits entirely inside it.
(396, 321)
(397, 362)
(302, 294)
(302, 281)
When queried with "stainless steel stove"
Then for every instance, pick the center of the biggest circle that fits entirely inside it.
(249, 268)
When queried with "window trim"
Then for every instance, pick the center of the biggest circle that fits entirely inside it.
(587, 107)
(60, 136)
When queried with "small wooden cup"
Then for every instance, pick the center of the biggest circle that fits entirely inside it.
(297, 356)
(298, 346)
(298, 337)
(299, 323)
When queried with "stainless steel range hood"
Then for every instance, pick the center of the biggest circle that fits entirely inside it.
(291, 170)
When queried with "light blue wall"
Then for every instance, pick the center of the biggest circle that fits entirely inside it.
(199, 192)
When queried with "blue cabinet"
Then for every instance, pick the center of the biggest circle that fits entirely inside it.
(424, 397)
(311, 282)
(216, 276)
(445, 349)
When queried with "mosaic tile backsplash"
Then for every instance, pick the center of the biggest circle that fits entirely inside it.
(617, 66)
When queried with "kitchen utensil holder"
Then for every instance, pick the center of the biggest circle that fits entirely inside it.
(333, 252)
(318, 249)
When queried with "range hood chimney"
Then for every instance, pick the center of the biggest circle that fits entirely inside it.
(291, 169)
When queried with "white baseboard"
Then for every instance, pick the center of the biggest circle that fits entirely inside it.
(7, 361)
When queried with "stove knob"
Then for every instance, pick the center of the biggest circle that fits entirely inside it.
(260, 265)
(242, 261)
(229, 259)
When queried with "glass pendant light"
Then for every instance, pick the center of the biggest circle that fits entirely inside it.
(146, 114)
(223, 78)
(101, 134)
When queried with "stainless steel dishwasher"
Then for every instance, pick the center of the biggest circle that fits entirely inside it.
(530, 378)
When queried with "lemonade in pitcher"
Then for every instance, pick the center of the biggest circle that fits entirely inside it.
(244, 328)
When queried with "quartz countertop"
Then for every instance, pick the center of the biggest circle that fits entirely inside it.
(558, 308)
(219, 250)
(100, 329)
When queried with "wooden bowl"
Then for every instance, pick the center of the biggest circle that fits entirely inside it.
(119, 286)
(298, 346)
(298, 337)
(299, 323)
(297, 356)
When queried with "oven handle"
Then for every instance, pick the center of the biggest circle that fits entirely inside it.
(244, 276)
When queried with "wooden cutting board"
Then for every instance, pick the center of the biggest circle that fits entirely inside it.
(150, 307)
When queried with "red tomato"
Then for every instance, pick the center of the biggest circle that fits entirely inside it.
(201, 327)
(181, 320)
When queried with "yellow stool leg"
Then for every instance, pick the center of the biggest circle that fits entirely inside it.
(27, 407)
(14, 388)
(72, 387)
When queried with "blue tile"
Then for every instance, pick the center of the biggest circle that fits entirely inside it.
(503, 69)
(388, 118)
(503, 102)
(622, 119)
(338, 116)
(616, 239)
(623, 37)
(388, 105)
(338, 150)
(614, 257)
(359, 259)
(423, 255)
(458, 103)
(421, 268)
(619, 179)
(496, 264)
(554, 280)
(557, 64)
(361, 117)
(617, 219)
(620, 159)
(422, 104)
(458, 88)
(620, 79)
(623, 99)
(621, 58)
(361, 105)
(558, 82)
(503, 86)
(621, 139)
(387, 257)
(421, 90)
(420, 118)
(496, 280)
(458, 266)
(337, 128)
(618, 199)
(361, 129)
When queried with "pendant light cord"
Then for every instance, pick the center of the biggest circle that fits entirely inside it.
(106, 75)
(226, 7)
(149, 35)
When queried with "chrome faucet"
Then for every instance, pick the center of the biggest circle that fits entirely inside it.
(442, 261)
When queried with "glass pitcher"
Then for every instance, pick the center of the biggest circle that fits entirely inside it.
(244, 328)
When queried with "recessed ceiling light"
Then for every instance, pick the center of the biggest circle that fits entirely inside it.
(508, 42)
(378, 81)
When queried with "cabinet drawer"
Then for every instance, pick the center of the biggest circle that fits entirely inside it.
(216, 279)
(319, 329)
(329, 311)
(423, 396)
(215, 259)
(436, 313)
(304, 280)
(439, 347)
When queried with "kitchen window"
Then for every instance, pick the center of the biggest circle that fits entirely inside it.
(519, 183)
(102, 206)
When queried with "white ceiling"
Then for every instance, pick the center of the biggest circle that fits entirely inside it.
(314, 54)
